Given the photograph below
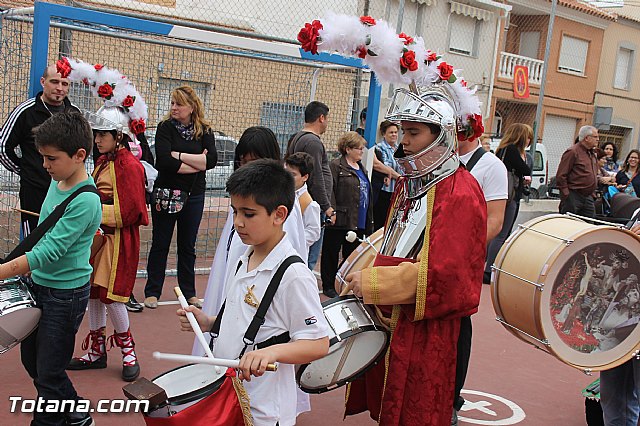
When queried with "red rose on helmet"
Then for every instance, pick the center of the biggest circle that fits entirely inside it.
(128, 101)
(98, 67)
(477, 126)
(137, 126)
(431, 56)
(105, 91)
(408, 61)
(407, 39)
(309, 36)
(63, 67)
(446, 71)
(368, 20)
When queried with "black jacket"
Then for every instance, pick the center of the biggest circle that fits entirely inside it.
(18, 132)
(346, 196)
(169, 139)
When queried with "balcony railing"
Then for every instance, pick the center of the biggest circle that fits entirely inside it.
(509, 60)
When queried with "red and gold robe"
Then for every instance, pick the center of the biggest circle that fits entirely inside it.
(426, 298)
(114, 256)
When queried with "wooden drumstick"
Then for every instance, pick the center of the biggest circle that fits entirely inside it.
(230, 363)
(26, 212)
(194, 323)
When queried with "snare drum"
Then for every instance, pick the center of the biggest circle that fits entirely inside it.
(187, 385)
(362, 257)
(18, 313)
(357, 342)
(571, 289)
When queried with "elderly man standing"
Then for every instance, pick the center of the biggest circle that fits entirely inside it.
(577, 174)
(17, 133)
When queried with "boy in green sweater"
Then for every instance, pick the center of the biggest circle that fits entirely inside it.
(59, 264)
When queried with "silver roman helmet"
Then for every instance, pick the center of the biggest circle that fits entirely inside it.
(110, 118)
(435, 106)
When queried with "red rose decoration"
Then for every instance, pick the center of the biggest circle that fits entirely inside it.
(309, 36)
(361, 52)
(368, 20)
(431, 56)
(85, 81)
(105, 91)
(446, 71)
(408, 61)
(407, 39)
(98, 67)
(477, 126)
(128, 101)
(63, 67)
(137, 126)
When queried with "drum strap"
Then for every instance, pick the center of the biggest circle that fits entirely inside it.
(258, 318)
(477, 155)
(32, 239)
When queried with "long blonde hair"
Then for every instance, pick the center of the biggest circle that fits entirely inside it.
(185, 95)
(517, 134)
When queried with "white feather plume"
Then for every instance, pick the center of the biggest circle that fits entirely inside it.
(96, 76)
(345, 35)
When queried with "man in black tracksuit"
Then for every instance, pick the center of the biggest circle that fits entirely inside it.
(17, 132)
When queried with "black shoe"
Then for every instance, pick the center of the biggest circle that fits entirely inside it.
(130, 372)
(133, 305)
(330, 292)
(78, 364)
(79, 419)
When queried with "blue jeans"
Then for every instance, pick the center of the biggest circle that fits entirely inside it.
(188, 220)
(47, 351)
(620, 394)
(314, 250)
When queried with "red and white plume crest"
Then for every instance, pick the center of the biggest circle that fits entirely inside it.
(395, 58)
(109, 85)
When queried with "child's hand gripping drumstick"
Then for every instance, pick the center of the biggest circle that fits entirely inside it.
(194, 324)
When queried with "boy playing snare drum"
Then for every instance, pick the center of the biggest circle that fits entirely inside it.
(262, 194)
(60, 263)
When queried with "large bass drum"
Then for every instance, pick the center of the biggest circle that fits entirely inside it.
(571, 289)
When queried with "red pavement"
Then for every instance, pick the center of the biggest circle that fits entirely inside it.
(547, 391)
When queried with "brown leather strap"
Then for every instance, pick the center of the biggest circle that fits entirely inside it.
(305, 199)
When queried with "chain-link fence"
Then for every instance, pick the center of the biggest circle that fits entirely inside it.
(239, 89)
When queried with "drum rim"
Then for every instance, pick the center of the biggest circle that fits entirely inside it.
(346, 380)
(193, 395)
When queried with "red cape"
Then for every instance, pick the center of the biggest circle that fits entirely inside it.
(414, 385)
(130, 212)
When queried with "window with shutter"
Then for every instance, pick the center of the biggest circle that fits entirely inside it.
(462, 32)
(573, 55)
(623, 68)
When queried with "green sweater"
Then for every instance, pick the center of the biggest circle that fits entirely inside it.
(61, 258)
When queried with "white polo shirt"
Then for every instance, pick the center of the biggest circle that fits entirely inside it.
(310, 218)
(295, 308)
(490, 173)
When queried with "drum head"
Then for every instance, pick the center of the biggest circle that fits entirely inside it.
(190, 382)
(590, 306)
(350, 355)
(18, 314)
